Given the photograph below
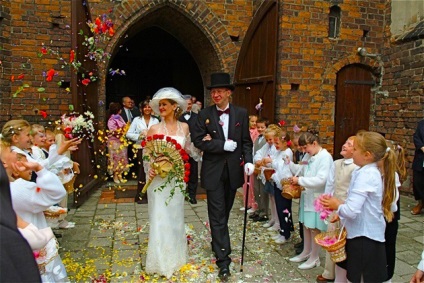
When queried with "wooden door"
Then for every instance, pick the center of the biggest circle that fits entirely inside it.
(83, 98)
(255, 73)
(353, 100)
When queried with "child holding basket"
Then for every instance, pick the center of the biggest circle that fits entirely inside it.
(370, 197)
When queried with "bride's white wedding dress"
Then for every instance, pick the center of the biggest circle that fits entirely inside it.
(167, 248)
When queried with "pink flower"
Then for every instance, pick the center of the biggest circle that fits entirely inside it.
(323, 212)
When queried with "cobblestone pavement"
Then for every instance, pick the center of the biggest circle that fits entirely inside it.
(109, 243)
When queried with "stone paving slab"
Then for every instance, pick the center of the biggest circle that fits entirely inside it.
(111, 239)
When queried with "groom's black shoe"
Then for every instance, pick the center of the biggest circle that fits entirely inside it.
(224, 273)
(193, 201)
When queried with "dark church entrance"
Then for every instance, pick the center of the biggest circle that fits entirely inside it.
(152, 59)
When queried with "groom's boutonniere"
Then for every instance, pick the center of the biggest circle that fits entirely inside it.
(207, 122)
(237, 124)
(221, 123)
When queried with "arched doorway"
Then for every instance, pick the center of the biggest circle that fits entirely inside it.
(152, 59)
(353, 103)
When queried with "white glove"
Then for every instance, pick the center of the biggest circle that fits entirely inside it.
(230, 145)
(249, 168)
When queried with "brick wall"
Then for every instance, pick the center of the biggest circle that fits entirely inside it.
(397, 114)
(32, 24)
(308, 57)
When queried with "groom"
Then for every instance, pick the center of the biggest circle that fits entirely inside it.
(222, 133)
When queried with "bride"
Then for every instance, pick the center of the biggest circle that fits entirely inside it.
(167, 248)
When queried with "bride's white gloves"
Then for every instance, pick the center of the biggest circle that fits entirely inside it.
(249, 168)
(230, 145)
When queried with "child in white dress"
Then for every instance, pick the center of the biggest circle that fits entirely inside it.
(280, 164)
(313, 177)
(262, 159)
(29, 200)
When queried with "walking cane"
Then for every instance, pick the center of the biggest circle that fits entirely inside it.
(245, 221)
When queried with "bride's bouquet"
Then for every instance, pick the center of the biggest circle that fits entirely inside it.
(169, 160)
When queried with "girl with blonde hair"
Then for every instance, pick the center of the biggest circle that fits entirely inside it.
(369, 202)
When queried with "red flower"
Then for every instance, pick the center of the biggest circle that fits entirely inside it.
(44, 50)
(49, 75)
(43, 113)
(155, 136)
(143, 143)
(187, 166)
(85, 82)
(12, 78)
(21, 76)
(187, 173)
(282, 123)
(149, 138)
(98, 21)
(37, 189)
(186, 179)
(289, 143)
(185, 157)
(161, 136)
(71, 56)
(111, 31)
(178, 146)
(168, 139)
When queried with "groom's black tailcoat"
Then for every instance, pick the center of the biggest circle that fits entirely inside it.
(222, 171)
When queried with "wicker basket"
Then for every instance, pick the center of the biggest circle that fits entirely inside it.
(337, 250)
(257, 170)
(291, 191)
(268, 173)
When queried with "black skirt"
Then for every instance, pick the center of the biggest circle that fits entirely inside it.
(366, 258)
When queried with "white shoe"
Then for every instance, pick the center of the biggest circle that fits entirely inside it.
(280, 240)
(276, 236)
(310, 265)
(251, 210)
(242, 208)
(268, 224)
(299, 258)
(273, 228)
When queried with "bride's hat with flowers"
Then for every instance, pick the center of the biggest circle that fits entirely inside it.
(168, 93)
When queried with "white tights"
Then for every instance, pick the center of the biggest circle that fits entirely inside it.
(274, 215)
(309, 246)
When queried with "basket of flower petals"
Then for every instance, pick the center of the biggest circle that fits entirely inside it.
(54, 214)
(334, 243)
(290, 191)
(268, 173)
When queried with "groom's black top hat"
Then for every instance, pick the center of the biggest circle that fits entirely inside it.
(219, 80)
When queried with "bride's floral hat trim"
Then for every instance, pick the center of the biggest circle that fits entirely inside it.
(169, 160)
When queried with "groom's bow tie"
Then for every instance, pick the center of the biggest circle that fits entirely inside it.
(226, 111)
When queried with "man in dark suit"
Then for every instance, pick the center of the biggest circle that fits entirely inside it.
(190, 118)
(129, 112)
(222, 133)
(418, 168)
(17, 262)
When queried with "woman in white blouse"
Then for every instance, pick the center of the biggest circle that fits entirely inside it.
(136, 133)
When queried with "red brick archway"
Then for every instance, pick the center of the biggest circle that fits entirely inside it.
(190, 22)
